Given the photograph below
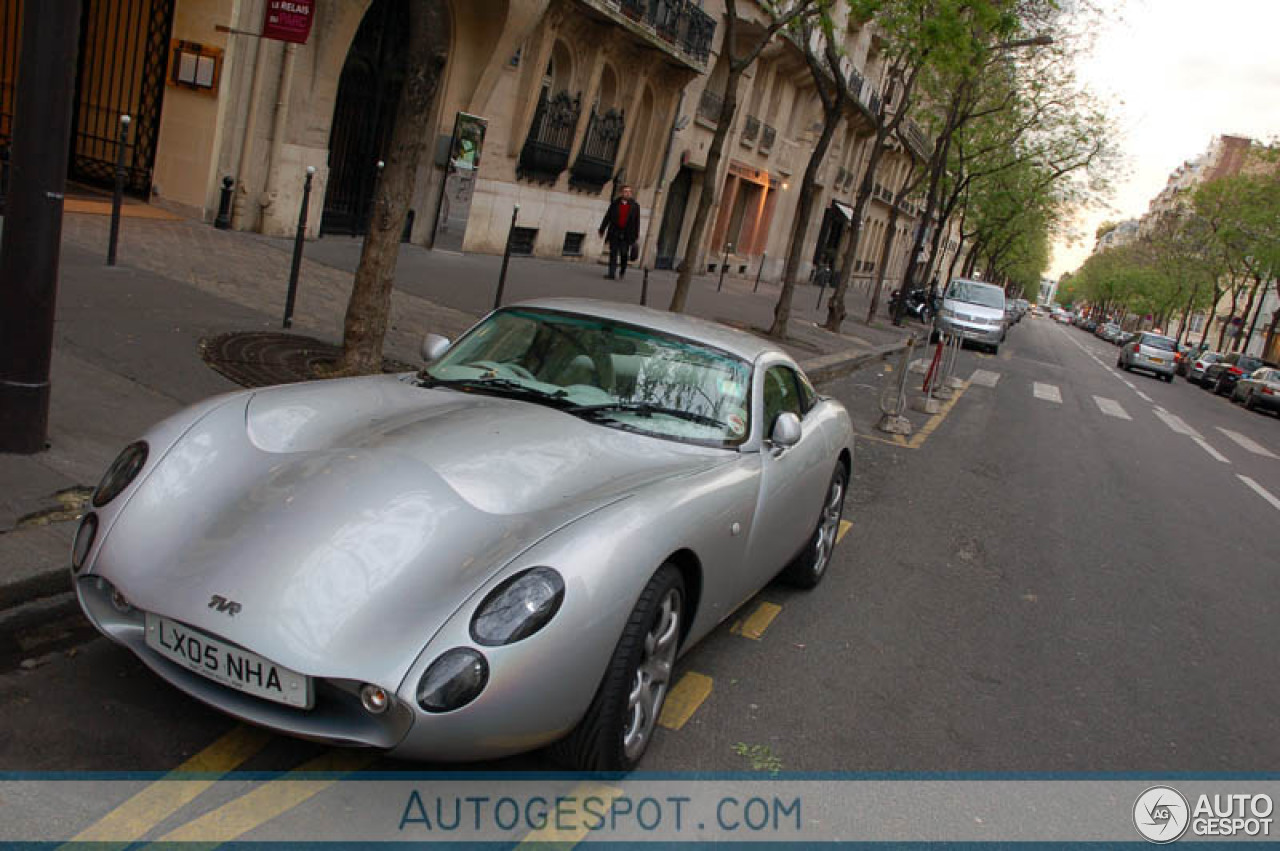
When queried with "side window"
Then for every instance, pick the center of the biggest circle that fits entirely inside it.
(808, 396)
(780, 395)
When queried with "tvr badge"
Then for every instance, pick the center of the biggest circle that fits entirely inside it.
(222, 604)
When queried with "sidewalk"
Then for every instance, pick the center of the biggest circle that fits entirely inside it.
(126, 348)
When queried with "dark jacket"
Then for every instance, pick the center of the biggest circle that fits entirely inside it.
(628, 233)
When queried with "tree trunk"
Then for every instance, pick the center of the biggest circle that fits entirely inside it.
(804, 212)
(369, 307)
(710, 178)
(1241, 340)
(882, 264)
(835, 305)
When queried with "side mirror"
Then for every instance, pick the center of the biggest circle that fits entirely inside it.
(434, 346)
(786, 431)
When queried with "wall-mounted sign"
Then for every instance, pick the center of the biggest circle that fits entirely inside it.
(460, 180)
(195, 66)
(288, 20)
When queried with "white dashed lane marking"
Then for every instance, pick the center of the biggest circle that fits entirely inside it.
(1247, 443)
(984, 377)
(1176, 423)
(1111, 408)
(1213, 453)
(1143, 396)
(1048, 392)
(1260, 491)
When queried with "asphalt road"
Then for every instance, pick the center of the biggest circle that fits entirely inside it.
(1068, 574)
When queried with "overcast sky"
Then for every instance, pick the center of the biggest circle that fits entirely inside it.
(1180, 72)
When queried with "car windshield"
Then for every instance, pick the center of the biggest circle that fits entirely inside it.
(1210, 357)
(973, 292)
(1248, 364)
(1151, 341)
(618, 375)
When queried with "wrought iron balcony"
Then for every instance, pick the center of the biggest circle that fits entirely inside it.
(678, 22)
(594, 166)
(750, 130)
(546, 149)
(915, 137)
(709, 106)
(767, 138)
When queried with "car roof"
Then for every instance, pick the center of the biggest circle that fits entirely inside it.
(740, 343)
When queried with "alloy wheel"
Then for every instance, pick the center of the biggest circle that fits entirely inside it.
(825, 541)
(653, 675)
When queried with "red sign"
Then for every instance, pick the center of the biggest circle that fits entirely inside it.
(288, 20)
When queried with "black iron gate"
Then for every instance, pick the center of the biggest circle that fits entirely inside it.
(368, 93)
(123, 55)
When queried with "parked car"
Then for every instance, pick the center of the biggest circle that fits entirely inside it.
(507, 549)
(1187, 355)
(975, 311)
(1197, 366)
(1110, 332)
(1259, 390)
(1151, 352)
(1221, 377)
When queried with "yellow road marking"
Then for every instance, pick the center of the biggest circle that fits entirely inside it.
(570, 830)
(238, 817)
(171, 793)
(845, 526)
(758, 621)
(684, 700)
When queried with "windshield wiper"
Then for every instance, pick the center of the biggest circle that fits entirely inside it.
(646, 409)
(505, 386)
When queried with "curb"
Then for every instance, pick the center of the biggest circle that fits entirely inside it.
(839, 364)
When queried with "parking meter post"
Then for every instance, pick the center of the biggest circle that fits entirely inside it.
(644, 288)
(223, 219)
(724, 264)
(296, 266)
(506, 258)
(117, 195)
(823, 275)
(759, 270)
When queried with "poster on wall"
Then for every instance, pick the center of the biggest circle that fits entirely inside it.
(288, 20)
(459, 183)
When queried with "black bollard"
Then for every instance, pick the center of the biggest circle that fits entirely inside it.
(724, 264)
(297, 249)
(758, 271)
(506, 258)
(824, 274)
(644, 288)
(118, 195)
(223, 220)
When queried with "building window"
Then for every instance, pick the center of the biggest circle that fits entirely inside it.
(573, 244)
(522, 240)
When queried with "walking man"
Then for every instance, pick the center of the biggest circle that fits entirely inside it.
(621, 228)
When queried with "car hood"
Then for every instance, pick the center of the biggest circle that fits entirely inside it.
(350, 519)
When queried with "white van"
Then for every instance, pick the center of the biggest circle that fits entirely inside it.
(975, 311)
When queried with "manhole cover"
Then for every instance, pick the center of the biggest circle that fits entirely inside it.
(263, 358)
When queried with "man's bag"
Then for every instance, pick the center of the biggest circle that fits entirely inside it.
(633, 253)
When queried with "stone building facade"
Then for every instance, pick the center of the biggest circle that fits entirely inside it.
(548, 105)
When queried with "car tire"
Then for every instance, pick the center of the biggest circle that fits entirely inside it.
(1168, 378)
(994, 348)
(1219, 387)
(619, 724)
(1249, 402)
(808, 568)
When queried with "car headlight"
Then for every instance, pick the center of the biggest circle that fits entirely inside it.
(122, 471)
(519, 607)
(453, 680)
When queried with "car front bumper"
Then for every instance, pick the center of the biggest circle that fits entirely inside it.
(971, 330)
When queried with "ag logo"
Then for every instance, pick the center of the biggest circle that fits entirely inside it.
(1161, 814)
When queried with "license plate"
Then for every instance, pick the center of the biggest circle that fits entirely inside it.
(227, 664)
(1156, 360)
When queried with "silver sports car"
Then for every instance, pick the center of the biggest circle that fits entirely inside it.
(505, 550)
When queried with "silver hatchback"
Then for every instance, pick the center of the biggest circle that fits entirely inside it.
(1151, 352)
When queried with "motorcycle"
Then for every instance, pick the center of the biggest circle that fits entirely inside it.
(917, 304)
